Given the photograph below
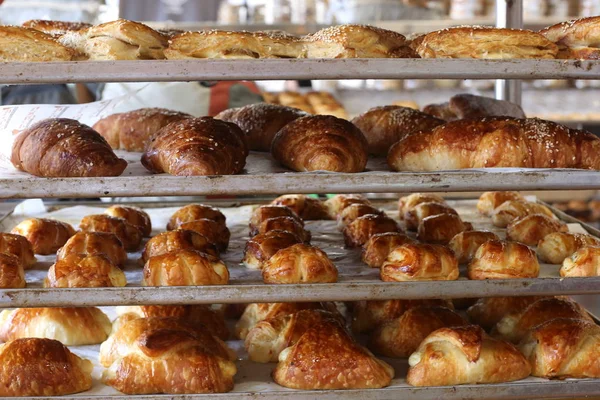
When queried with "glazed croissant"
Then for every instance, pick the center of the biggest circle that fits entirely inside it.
(555, 247)
(18, 246)
(465, 244)
(487, 312)
(407, 203)
(94, 243)
(128, 234)
(488, 201)
(185, 268)
(134, 215)
(45, 235)
(12, 274)
(359, 231)
(532, 228)
(263, 213)
(288, 224)
(420, 262)
(421, 211)
(260, 248)
(339, 202)
(354, 211)
(192, 212)
(305, 207)
(216, 233)
(510, 210)
(584, 262)
(176, 240)
(379, 246)
(498, 259)
(299, 263)
(441, 228)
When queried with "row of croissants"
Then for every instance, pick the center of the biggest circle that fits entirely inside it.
(182, 349)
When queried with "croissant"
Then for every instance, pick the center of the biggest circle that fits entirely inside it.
(45, 235)
(420, 262)
(465, 244)
(326, 357)
(532, 228)
(441, 228)
(94, 243)
(192, 212)
(339, 202)
(584, 262)
(421, 211)
(71, 326)
(359, 231)
(305, 207)
(185, 268)
(407, 203)
(354, 211)
(77, 270)
(287, 224)
(487, 312)
(299, 263)
(465, 355)
(61, 147)
(197, 146)
(42, 367)
(12, 274)
(563, 348)
(216, 233)
(469, 106)
(400, 337)
(18, 246)
(497, 259)
(134, 215)
(177, 240)
(263, 213)
(129, 235)
(379, 246)
(321, 143)
(260, 248)
(488, 201)
(510, 210)
(557, 246)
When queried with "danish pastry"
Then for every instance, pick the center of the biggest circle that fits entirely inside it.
(377, 248)
(185, 268)
(263, 213)
(584, 262)
(359, 231)
(497, 259)
(94, 243)
(465, 244)
(77, 270)
(192, 212)
(532, 228)
(441, 228)
(557, 246)
(18, 246)
(45, 235)
(488, 201)
(299, 263)
(128, 234)
(305, 207)
(177, 240)
(260, 248)
(420, 262)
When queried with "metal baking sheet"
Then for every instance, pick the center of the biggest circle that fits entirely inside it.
(268, 69)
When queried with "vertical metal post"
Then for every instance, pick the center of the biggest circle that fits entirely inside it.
(509, 14)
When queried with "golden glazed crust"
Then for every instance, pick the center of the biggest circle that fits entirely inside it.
(359, 231)
(305, 207)
(192, 212)
(27, 45)
(18, 246)
(54, 28)
(532, 228)
(377, 248)
(488, 311)
(511, 210)
(12, 274)
(177, 240)
(557, 246)
(94, 243)
(129, 234)
(488, 201)
(420, 262)
(498, 259)
(45, 235)
(81, 270)
(263, 213)
(185, 268)
(260, 248)
(216, 233)
(465, 244)
(584, 262)
(299, 263)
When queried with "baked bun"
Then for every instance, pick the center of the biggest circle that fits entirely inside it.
(408, 203)
(279, 44)
(339, 202)
(576, 39)
(488, 201)
(192, 212)
(45, 235)
(177, 240)
(133, 130)
(197, 146)
(584, 262)
(287, 224)
(465, 244)
(30, 45)
(419, 262)
(321, 143)
(299, 263)
(487, 312)
(498, 259)
(511, 210)
(185, 268)
(441, 228)
(263, 213)
(42, 367)
(94, 243)
(355, 211)
(71, 326)
(557, 246)
(470, 106)
(260, 122)
(260, 248)
(484, 42)
(465, 355)
(128, 234)
(359, 231)
(357, 41)
(55, 28)
(80, 270)
(12, 274)
(326, 357)
(414, 217)
(532, 228)
(216, 233)
(400, 337)
(377, 248)
(384, 126)
(305, 207)
(18, 246)
(214, 44)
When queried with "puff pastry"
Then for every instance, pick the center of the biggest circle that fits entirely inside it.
(77, 270)
(576, 39)
(557, 246)
(420, 262)
(407, 203)
(465, 244)
(510, 210)
(214, 44)
(584, 262)
(18, 246)
(177, 240)
(216, 233)
(299, 263)
(185, 268)
(263, 213)
(12, 274)
(359, 231)
(487, 312)
(497, 259)
(306, 207)
(339, 202)
(45, 235)
(128, 234)
(354, 211)
(192, 212)
(488, 201)
(421, 211)
(54, 28)
(29, 45)
(377, 248)
(94, 243)
(260, 248)
(134, 215)
(279, 44)
(532, 228)
(441, 228)
(288, 224)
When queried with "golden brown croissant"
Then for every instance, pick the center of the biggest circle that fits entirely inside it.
(128, 234)
(80, 270)
(384, 126)
(487, 312)
(192, 212)
(260, 248)
(465, 355)
(70, 326)
(400, 337)
(532, 228)
(61, 147)
(576, 39)
(465, 244)
(197, 146)
(482, 143)
(287, 224)
(321, 143)
(441, 228)
(299, 263)
(260, 122)
(326, 357)
(12, 274)
(307, 208)
(339, 202)
(176, 240)
(134, 215)
(133, 130)
(45, 235)
(488, 201)
(94, 243)
(377, 248)
(584, 262)
(263, 213)
(510, 210)
(22, 44)
(469, 106)
(185, 268)
(407, 203)
(42, 367)
(557, 246)
(421, 211)
(498, 259)
(216, 233)
(420, 262)
(354, 211)
(359, 231)
(18, 246)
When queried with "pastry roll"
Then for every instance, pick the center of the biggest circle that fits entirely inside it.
(469, 106)
(576, 39)
(584, 262)
(287, 224)
(532, 228)
(76, 326)
(408, 203)
(441, 228)
(400, 337)
(488, 201)
(326, 357)
(279, 44)
(420, 262)
(339, 202)
(177, 240)
(92, 244)
(12, 274)
(557, 246)
(299, 263)
(465, 355)
(260, 248)
(80, 270)
(379, 246)
(45, 235)
(563, 348)
(192, 212)
(214, 44)
(134, 215)
(321, 143)
(128, 234)
(487, 312)
(185, 268)
(359, 231)
(216, 233)
(465, 244)
(30, 45)
(42, 367)
(511, 210)
(18, 246)
(354, 211)
(305, 207)
(421, 211)
(263, 213)
(497, 259)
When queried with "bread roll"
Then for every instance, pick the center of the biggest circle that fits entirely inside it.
(287, 224)
(584, 262)
(359, 231)
(260, 122)
(354, 211)
(465, 244)
(497, 259)
(408, 203)
(263, 213)
(576, 39)
(299, 263)
(45, 235)
(197, 146)
(379, 246)
(94, 243)
(216, 233)
(70, 326)
(61, 147)
(320, 143)
(177, 240)
(185, 268)
(420, 262)
(55, 28)
(192, 212)
(214, 44)
(557, 246)
(18, 246)
(414, 217)
(511, 210)
(488, 311)
(12, 274)
(80, 270)
(441, 228)
(279, 44)
(339, 202)
(470, 106)
(488, 201)
(532, 228)
(260, 248)
(129, 234)
(30, 45)
(306, 207)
